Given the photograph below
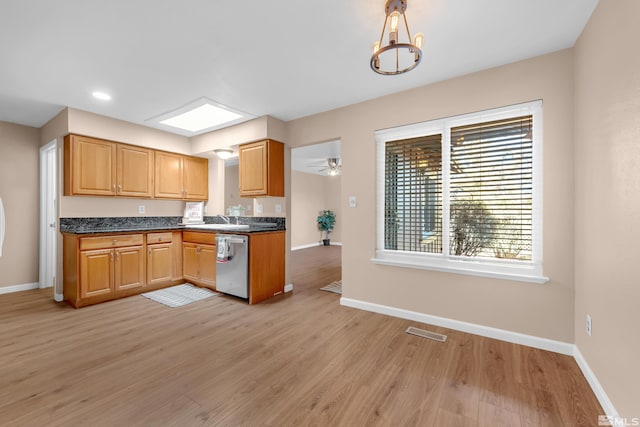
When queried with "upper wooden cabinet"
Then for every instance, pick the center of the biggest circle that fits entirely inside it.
(181, 177)
(196, 178)
(95, 167)
(89, 166)
(261, 169)
(134, 171)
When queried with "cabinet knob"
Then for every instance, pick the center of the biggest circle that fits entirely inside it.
(113, 187)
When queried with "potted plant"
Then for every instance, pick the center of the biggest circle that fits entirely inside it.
(326, 221)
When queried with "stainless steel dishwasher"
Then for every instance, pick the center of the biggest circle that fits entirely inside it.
(232, 265)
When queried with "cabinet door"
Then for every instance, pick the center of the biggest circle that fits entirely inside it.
(159, 263)
(196, 178)
(96, 273)
(129, 268)
(208, 265)
(90, 166)
(134, 171)
(252, 171)
(190, 261)
(266, 266)
(168, 176)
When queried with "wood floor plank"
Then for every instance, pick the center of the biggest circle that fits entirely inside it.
(297, 359)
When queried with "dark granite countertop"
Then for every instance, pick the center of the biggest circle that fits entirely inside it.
(149, 224)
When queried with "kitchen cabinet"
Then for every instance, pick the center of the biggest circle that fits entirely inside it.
(105, 267)
(181, 177)
(134, 171)
(96, 167)
(109, 264)
(199, 258)
(89, 166)
(261, 169)
(160, 257)
(266, 265)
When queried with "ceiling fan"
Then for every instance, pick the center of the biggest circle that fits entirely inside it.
(333, 166)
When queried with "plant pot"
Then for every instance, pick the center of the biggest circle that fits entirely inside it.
(326, 242)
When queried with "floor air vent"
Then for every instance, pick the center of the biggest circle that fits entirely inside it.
(426, 334)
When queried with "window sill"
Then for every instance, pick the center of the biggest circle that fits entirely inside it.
(494, 273)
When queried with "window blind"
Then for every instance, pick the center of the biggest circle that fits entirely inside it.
(491, 189)
(413, 194)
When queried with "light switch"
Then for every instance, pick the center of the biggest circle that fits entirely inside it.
(278, 208)
(259, 208)
(352, 201)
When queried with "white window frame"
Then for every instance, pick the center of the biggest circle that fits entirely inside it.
(526, 271)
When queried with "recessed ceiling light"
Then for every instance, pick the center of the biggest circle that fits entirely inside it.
(202, 117)
(101, 96)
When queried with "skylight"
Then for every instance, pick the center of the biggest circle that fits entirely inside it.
(203, 117)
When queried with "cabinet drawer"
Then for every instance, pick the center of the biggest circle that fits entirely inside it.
(199, 237)
(159, 238)
(104, 242)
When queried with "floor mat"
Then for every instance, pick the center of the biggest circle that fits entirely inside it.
(179, 295)
(335, 287)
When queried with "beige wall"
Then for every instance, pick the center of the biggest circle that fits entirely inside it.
(232, 191)
(19, 190)
(311, 193)
(539, 310)
(85, 123)
(607, 202)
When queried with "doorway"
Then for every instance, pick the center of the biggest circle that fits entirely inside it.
(48, 217)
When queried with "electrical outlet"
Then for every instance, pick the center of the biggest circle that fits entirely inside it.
(278, 208)
(352, 201)
(588, 325)
(259, 208)
(141, 209)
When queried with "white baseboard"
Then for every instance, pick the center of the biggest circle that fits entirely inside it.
(18, 288)
(597, 388)
(288, 288)
(313, 245)
(472, 328)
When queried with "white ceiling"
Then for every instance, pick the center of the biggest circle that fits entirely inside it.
(286, 59)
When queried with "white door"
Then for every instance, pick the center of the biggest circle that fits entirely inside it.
(48, 217)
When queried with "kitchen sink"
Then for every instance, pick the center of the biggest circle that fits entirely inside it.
(218, 226)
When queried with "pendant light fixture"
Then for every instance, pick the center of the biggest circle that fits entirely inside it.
(400, 54)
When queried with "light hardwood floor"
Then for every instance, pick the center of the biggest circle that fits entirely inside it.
(297, 359)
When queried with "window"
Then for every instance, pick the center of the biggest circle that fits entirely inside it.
(463, 194)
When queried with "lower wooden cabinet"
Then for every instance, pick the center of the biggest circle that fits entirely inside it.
(266, 265)
(106, 267)
(159, 263)
(129, 268)
(105, 271)
(161, 257)
(96, 273)
(199, 258)
(102, 267)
